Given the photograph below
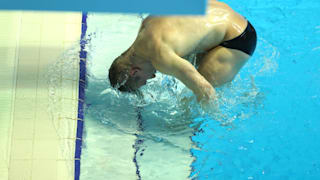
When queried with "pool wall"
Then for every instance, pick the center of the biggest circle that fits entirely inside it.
(37, 141)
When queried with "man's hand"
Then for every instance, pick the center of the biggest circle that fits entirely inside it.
(206, 92)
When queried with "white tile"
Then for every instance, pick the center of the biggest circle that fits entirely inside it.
(30, 32)
(20, 170)
(4, 138)
(44, 170)
(4, 174)
(46, 149)
(44, 126)
(25, 90)
(72, 32)
(65, 170)
(54, 31)
(51, 48)
(8, 22)
(54, 17)
(71, 45)
(5, 122)
(32, 17)
(42, 93)
(27, 71)
(23, 129)
(67, 149)
(67, 89)
(7, 54)
(50, 52)
(24, 109)
(69, 108)
(21, 149)
(70, 70)
(73, 18)
(29, 50)
(67, 128)
(3, 158)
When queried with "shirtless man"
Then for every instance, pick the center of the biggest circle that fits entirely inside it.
(223, 41)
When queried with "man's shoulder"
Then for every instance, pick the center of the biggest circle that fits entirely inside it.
(147, 44)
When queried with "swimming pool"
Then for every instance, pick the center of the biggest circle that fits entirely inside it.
(268, 120)
(280, 141)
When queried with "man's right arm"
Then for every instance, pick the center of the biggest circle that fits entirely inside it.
(168, 62)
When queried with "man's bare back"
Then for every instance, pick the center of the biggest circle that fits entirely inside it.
(162, 42)
(191, 34)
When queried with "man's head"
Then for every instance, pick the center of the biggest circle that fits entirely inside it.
(126, 76)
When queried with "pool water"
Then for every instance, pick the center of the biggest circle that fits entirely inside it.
(280, 139)
(266, 126)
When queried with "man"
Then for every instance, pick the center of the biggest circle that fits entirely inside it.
(223, 41)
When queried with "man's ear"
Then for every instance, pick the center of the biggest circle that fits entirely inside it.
(134, 71)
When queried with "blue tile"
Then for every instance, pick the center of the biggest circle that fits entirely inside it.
(84, 29)
(82, 84)
(84, 18)
(83, 70)
(81, 94)
(79, 129)
(83, 43)
(80, 110)
(83, 54)
(82, 64)
(77, 169)
(80, 116)
(78, 148)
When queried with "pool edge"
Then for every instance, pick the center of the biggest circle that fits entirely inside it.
(82, 84)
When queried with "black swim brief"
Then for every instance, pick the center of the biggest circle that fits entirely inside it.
(245, 42)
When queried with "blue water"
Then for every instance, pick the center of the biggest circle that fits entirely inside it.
(268, 119)
(280, 140)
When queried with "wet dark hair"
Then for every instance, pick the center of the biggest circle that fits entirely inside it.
(119, 76)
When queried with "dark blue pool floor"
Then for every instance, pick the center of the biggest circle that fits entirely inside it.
(281, 140)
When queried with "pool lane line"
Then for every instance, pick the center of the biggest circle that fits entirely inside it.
(138, 142)
(81, 97)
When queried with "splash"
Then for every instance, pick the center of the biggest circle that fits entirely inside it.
(173, 108)
(64, 69)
